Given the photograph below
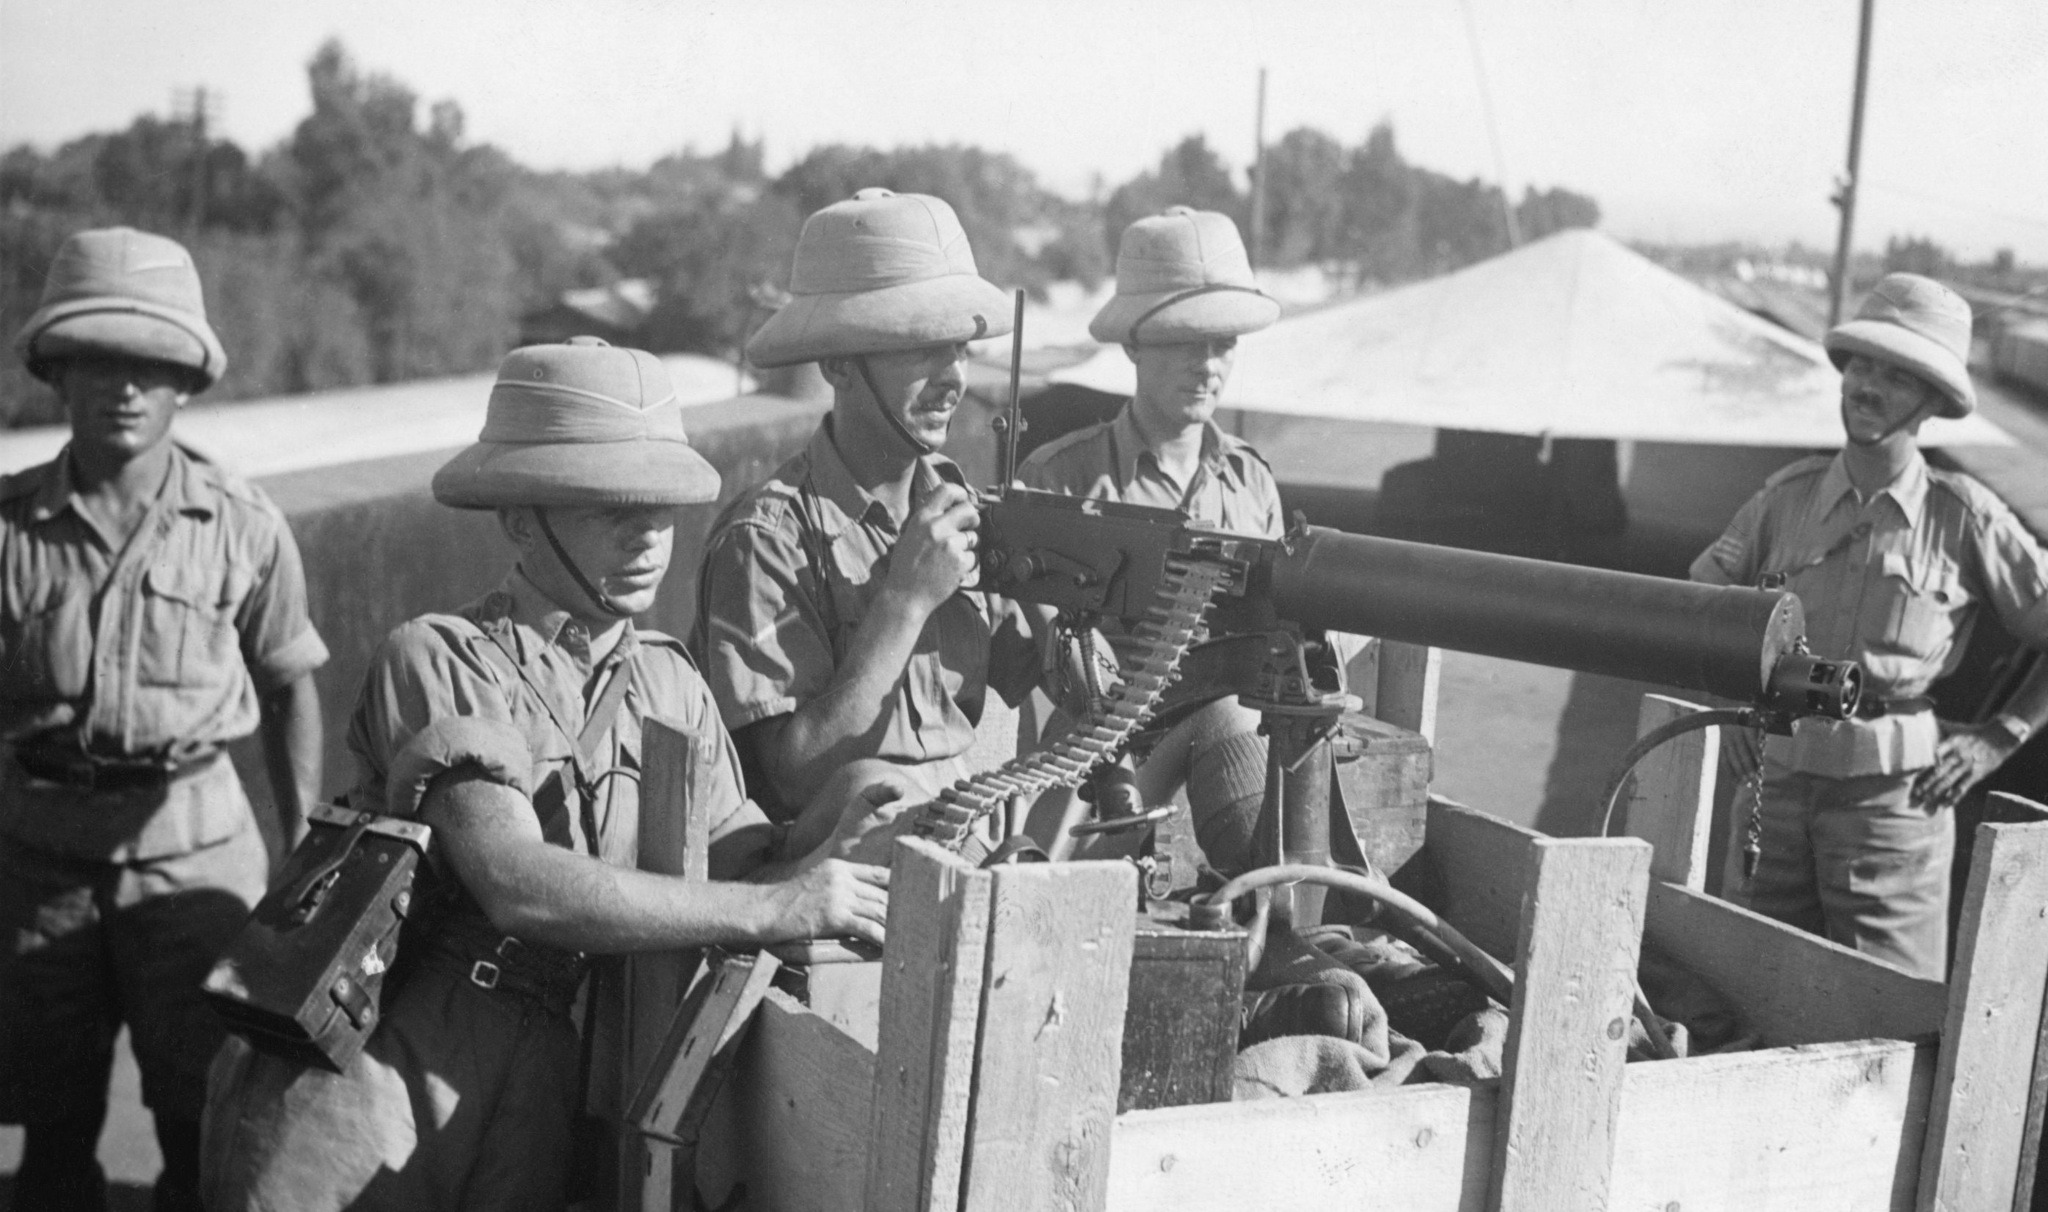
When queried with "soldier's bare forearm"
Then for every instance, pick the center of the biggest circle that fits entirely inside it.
(291, 731)
(546, 894)
(844, 722)
(2029, 701)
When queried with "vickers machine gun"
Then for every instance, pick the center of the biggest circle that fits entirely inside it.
(1266, 606)
(1215, 614)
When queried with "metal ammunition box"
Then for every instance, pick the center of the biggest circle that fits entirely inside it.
(304, 978)
(1181, 1020)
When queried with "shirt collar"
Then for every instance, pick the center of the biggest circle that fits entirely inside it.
(186, 488)
(518, 601)
(1130, 446)
(842, 497)
(1908, 490)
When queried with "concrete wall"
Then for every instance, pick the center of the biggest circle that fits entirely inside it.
(379, 550)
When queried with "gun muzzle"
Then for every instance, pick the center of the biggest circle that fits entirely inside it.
(1802, 684)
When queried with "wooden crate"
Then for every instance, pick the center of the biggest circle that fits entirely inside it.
(993, 1076)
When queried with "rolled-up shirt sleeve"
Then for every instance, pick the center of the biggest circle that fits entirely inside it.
(1732, 559)
(2013, 568)
(763, 641)
(278, 641)
(416, 678)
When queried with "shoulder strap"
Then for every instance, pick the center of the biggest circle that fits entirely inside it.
(583, 745)
(811, 533)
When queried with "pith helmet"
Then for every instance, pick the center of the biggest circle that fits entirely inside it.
(116, 290)
(1182, 275)
(579, 424)
(1916, 323)
(878, 273)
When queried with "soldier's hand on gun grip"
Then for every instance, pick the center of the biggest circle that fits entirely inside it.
(935, 555)
(834, 899)
(1742, 749)
(1967, 755)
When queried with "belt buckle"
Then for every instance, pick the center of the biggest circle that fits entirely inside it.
(484, 974)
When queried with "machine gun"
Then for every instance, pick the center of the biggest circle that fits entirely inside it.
(1275, 600)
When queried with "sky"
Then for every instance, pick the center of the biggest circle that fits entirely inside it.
(1688, 120)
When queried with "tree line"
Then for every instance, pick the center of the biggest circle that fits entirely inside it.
(377, 243)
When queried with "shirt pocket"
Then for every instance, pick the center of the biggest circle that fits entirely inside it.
(1919, 601)
(188, 633)
(54, 654)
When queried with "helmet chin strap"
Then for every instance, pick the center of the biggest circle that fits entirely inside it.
(867, 379)
(597, 598)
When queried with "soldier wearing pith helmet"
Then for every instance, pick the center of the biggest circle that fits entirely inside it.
(512, 726)
(152, 610)
(835, 623)
(1184, 295)
(1853, 827)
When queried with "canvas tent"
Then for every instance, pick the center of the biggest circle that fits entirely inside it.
(1573, 336)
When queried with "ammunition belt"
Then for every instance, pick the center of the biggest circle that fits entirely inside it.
(1169, 627)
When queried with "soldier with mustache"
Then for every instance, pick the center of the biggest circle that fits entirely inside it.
(1184, 295)
(1893, 560)
(836, 623)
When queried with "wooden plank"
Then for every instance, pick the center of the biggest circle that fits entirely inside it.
(1482, 865)
(673, 838)
(1977, 1122)
(1673, 804)
(1412, 1148)
(1361, 668)
(1410, 675)
(1792, 987)
(698, 1045)
(1567, 1041)
(1816, 1128)
(803, 1090)
(2004, 808)
(932, 974)
(1048, 1063)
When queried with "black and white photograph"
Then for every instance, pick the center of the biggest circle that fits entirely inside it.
(1112, 605)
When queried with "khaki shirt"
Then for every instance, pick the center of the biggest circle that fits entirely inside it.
(435, 667)
(790, 571)
(1894, 582)
(1232, 488)
(162, 649)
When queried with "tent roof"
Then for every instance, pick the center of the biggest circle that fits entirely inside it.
(1571, 336)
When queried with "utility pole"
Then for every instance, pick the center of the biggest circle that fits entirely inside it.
(1845, 193)
(1500, 160)
(1258, 241)
(197, 108)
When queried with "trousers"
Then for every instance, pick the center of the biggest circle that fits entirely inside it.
(463, 1098)
(1859, 861)
(87, 945)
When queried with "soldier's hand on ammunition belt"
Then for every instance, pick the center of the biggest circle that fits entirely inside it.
(871, 823)
(1967, 755)
(833, 899)
(935, 555)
